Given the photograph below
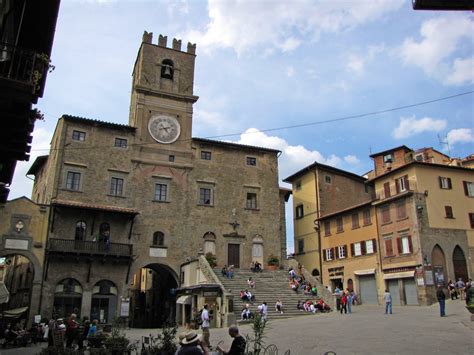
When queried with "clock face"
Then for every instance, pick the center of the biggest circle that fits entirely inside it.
(164, 129)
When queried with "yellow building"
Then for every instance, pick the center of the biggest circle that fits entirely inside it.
(425, 214)
(349, 245)
(317, 192)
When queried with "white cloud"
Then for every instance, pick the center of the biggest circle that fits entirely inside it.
(248, 24)
(290, 71)
(40, 146)
(410, 126)
(434, 54)
(351, 159)
(463, 71)
(294, 157)
(460, 135)
(355, 64)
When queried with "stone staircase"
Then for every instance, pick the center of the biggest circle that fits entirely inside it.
(270, 286)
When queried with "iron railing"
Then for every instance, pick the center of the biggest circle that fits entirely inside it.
(89, 247)
(23, 65)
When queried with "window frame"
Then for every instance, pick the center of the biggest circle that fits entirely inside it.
(386, 216)
(301, 246)
(388, 158)
(471, 219)
(355, 220)
(158, 239)
(251, 203)
(68, 185)
(402, 184)
(201, 201)
(118, 189)
(366, 213)
(468, 188)
(327, 228)
(121, 142)
(166, 195)
(401, 207)
(251, 161)
(78, 136)
(339, 224)
(328, 179)
(359, 245)
(445, 183)
(448, 210)
(329, 254)
(206, 155)
(343, 254)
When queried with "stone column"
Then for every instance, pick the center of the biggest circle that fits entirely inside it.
(34, 302)
(86, 304)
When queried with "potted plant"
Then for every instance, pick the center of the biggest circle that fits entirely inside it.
(211, 259)
(273, 262)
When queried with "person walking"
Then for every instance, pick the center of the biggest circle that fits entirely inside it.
(205, 325)
(344, 302)
(388, 301)
(349, 301)
(441, 299)
(460, 285)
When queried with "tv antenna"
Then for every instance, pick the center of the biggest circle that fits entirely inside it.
(444, 142)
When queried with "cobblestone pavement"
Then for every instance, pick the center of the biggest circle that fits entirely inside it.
(409, 330)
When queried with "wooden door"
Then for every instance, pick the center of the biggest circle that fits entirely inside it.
(233, 255)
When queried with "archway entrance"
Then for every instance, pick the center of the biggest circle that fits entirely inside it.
(153, 300)
(459, 263)
(439, 265)
(17, 273)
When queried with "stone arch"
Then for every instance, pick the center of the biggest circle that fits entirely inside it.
(438, 262)
(38, 268)
(104, 301)
(167, 69)
(459, 264)
(315, 272)
(152, 293)
(67, 297)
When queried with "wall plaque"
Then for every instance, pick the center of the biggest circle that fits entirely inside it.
(158, 252)
(20, 244)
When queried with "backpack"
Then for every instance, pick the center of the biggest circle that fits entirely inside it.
(199, 318)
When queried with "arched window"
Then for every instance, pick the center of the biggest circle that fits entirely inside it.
(67, 298)
(104, 301)
(209, 243)
(167, 69)
(158, 239)
(80, 230)
(315, 272)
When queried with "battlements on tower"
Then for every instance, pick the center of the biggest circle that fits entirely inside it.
(163, 41)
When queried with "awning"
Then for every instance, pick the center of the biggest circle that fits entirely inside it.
(4, 294)
(184, 300)
(16, 312)
(399, 275)
(365, 272)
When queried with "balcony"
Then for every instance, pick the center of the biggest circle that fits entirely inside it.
(79, 248)
(23, 69)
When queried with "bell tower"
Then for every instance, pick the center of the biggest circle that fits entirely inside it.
(161, 106)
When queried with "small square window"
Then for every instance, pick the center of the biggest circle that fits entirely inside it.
(171, 158)
(78, 136)
(120, 143)
(206, 155)
(251, 161)
(445, 183)
(327, 179)
(388, 158)
(251, 200)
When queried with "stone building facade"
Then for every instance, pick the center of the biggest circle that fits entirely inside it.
(148, 195)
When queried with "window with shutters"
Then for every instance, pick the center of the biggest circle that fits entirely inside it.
(405, 246)
(402, 184)
(471, 219)
(370, 246)
(367, 219)
(388, 247)
(444, 182)
(329, 254)
(327, 228)
(341, 252)
(299, 211)
(401, 209)
(385, 212)
(468, 188)
(386, 189)
(357, 249)
(449, 211)
(339, 224)
(355, 220)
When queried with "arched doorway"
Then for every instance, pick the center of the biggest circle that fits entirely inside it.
(460, 265)
(104, 301)
(438, 262)
(67, 298)
(153, 300)
(350, 285)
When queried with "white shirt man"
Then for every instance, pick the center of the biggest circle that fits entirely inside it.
(205, 324)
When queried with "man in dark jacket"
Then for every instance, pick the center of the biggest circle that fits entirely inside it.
(441, 299)
(238, 344)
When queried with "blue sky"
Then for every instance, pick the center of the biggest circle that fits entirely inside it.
(269, 64)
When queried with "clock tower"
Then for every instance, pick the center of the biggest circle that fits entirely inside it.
(161, 106)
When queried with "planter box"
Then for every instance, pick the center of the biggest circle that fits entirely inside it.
(272, 267)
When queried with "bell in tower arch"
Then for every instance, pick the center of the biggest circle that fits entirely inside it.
(167, 69)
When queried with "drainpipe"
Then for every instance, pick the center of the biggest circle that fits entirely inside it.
(318, 215)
